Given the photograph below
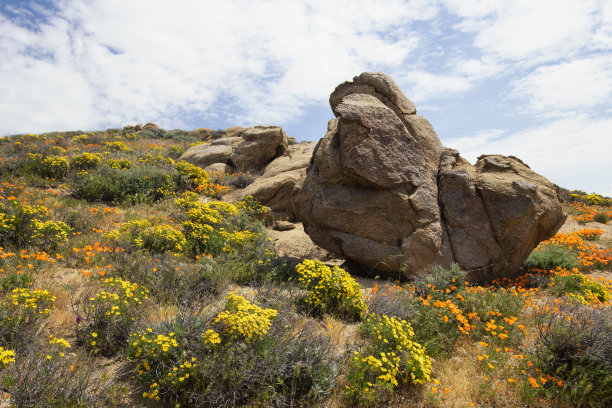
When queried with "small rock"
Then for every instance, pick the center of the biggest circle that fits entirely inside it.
(284, 226)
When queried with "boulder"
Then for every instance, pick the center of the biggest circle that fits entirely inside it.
(234, 131)
(150, 126)
(220, 168)
(280, 181)
(260, 144)
(202, 134)
(383, 191)
(204, 155)
(246, 149)
(138, 127)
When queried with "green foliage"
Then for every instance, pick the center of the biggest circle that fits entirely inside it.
(125, 186)
(20, 223)
(331, 290)
(575, 345)
(189, 176)
(244, 320)
(601, 217)
(106, 318)
(51, 375)
(119, 163)
(50, 234)
(439, 279)
(85, 161)
(153, 238)
(162, 238)
(392, 358)
(550, 257)
(53, 167)
(186, 361)
(580, 287)
(170, 279)
(21, 315)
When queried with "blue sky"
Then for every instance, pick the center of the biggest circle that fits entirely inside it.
(518, 77)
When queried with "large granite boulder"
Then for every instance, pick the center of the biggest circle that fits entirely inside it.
(246, 149)
(382, 190)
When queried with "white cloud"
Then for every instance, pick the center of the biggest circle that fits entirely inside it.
(573, 152)
(558, 89)
(530, 31)
(114, 62)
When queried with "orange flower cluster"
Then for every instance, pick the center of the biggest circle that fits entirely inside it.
(211, 189)
(95, 249)
(586, 213)
(464, 326)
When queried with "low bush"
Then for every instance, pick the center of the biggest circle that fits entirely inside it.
(85, 161)
(170, 279)
(153, 238)
(189, 176)
(53, 167)
(602, 218)
(550, 257)
(574, 345)
(392, 358)
(192, 361)
(48, 375)
(440, 281)
(22, 315)
(139, 184)
(580, 287)
(331, 290)
(105, 320)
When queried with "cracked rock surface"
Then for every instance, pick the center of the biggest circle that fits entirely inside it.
(382, 190)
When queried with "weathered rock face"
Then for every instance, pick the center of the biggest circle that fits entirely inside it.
(150, 126)
(201, 134)
(243, 148)
(382, 190)
(280, 181)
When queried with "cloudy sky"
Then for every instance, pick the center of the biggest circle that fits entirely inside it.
(518, 77)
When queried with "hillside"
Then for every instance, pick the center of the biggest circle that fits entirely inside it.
(131, 278)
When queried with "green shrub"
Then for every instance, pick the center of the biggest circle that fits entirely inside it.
(439, 279)
(243, 320)
(550, 257)
(162, 238)
(601, 217)
(106, 318)
(575, 345)
(85, 161)
(128, 186)
(119, 163)
(22, 224)
(15, 280)
(170, 279)
(50, 234)
(153, 238)
(185, 361)
(392, 358)
(54, 167)
(22, 314)
(189, 176)
(50, 375)
(17, 222)
(331, 290)
(580, 287)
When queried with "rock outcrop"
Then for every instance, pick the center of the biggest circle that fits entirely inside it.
(280, 181)
(202, 134)
(382, 190)
(243, 148)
